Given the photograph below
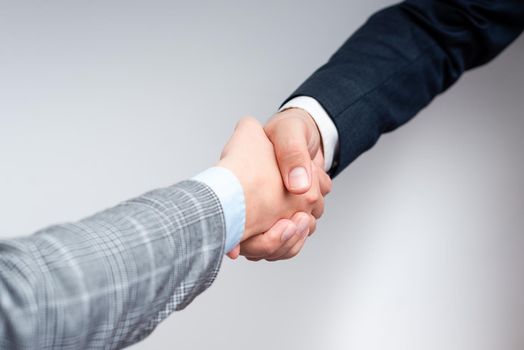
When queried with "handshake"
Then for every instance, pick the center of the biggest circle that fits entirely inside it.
(280, 167)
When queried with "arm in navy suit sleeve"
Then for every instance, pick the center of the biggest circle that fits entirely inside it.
(400, 59)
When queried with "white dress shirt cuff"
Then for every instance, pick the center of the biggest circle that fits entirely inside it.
(328, 130)
(229, 191)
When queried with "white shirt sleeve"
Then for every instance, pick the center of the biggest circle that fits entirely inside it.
(230, 193)
(327, 128)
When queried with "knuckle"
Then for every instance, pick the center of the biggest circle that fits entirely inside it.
(312, 197)
(271, 126)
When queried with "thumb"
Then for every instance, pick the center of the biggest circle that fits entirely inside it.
(290, 140)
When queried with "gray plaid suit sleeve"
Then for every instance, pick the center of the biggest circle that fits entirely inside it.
(105, 282)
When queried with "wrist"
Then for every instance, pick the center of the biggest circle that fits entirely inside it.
(228, 189)
(247, 183)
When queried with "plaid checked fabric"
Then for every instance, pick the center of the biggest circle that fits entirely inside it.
(107, 281)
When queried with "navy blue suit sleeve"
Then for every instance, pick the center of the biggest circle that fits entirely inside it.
(401, 58)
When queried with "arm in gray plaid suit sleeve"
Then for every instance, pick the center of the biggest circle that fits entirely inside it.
(108, 280)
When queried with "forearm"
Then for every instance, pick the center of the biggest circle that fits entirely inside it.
(108, 280)
(400, 59)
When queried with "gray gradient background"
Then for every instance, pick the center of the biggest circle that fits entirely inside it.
(421, 244)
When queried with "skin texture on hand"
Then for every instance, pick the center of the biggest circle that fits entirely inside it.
(281, 216)
(271, 246)
(295, 141)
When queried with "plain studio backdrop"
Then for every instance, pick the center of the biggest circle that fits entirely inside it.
(421, 245)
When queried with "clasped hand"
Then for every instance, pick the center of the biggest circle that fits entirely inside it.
(280, 167)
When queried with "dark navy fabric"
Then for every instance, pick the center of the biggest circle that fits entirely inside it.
(400, 59)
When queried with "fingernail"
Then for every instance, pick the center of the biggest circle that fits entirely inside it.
(289, 232)
(298, 178)
(303, 226)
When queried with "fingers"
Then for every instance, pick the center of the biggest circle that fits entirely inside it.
(314, 197)
(286, 237)
(296, 145)
(312, 225)
(318, 207)
(266, 244)
(325, 183)
(324, 178)
(297, 248)
(302, 222)
(294, 150)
